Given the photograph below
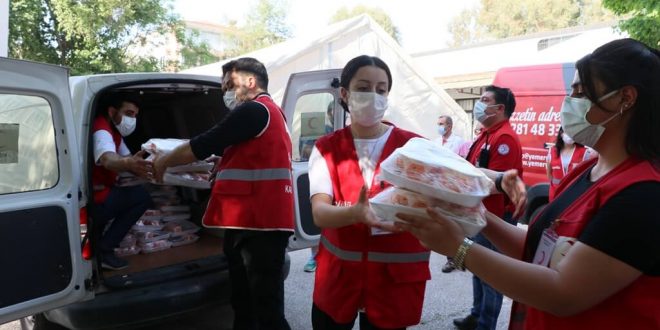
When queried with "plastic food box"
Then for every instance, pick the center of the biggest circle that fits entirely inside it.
(127, 251)
(155, 246)
(151, 236)
(432, 170)
(145, 225)
(394, 200)
(180, 228)
(128, 241)
(183, 239)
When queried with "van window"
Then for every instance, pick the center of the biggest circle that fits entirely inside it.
(313, 117)
(28, 156)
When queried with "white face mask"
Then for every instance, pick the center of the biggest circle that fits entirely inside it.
(366, 108)
(567, 139)
(479, 111)
(441, 130)
(574, 120)
(126, 126)
(230, 100)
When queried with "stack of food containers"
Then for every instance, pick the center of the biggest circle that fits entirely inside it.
(424, 174)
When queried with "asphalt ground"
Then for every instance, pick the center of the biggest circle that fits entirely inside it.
(448, 296)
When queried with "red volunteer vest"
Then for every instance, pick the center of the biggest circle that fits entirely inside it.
(253, 188)
(497, 203)
(557, 170)
(102, 178)
(385, 274)
(635, 307)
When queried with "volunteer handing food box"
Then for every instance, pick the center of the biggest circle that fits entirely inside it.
(427, 175)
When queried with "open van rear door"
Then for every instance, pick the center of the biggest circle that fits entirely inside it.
(311, 105)
(40, 251)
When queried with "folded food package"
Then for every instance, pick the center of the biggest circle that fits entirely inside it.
(393, 200)
(427, 168)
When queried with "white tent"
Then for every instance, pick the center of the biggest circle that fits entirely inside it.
(415, 100)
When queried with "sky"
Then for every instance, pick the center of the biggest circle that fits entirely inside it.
(423, 24)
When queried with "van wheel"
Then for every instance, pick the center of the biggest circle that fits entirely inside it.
(39, 322)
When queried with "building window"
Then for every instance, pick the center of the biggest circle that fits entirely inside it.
(549, 42)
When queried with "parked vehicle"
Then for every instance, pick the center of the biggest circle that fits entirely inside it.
(49, 277)
(539, 91)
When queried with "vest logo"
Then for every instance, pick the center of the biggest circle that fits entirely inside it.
(288, 189)
(343, 203)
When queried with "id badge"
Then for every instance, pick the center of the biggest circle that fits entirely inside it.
(546, 247)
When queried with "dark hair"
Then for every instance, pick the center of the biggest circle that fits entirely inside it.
(503, 96)
(228, 67)
(628, 62)
(251, 66)
(355, 64)
(559, 142)
(116, 100)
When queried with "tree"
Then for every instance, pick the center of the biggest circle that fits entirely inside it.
(377, 14)
(465, 30)
(496, 19)
(265, 25)
(642, 19)
(99, 36)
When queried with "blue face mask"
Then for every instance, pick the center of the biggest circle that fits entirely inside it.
(479, 111)
(230, 99)
(441, 130)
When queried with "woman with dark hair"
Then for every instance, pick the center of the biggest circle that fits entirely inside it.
(591, 259)
(361, 267)
(565, 155)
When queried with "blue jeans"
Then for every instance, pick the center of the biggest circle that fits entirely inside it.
(124, 204)
(487, 302)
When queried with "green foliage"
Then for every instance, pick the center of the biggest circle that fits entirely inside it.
(99, 36)
(641, 19)
(376, 14)
(496, 19)
(265, 25)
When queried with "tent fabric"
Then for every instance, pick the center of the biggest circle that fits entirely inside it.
(415, 101)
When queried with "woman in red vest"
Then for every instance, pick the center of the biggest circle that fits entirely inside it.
(591, 259)
(563, 157)
(362, 268)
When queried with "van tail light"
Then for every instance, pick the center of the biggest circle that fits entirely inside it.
(86, 247)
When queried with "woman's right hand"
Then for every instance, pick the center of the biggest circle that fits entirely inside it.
(363, 213)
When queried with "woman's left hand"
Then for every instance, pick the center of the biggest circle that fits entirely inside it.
(438, 234)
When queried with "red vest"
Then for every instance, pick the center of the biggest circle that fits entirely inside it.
(253, 188)
(102, 178)
(557, 170)
(635, 307)
(385, 274)
(497, 203)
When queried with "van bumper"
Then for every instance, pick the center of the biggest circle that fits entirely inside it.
(145, 304)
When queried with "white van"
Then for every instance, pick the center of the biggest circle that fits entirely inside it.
(45, 191)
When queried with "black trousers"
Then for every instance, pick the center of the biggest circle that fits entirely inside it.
(256, 261)
(323, 321)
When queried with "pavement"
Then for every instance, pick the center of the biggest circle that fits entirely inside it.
(448, 296)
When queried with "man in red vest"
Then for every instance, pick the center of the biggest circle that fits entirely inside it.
(252, 197)
(497, 148)
(111, 156)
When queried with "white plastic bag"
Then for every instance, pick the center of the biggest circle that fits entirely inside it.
(392, 200)
(432, 170)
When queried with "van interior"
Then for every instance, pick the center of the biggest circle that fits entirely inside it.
(178, 110)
